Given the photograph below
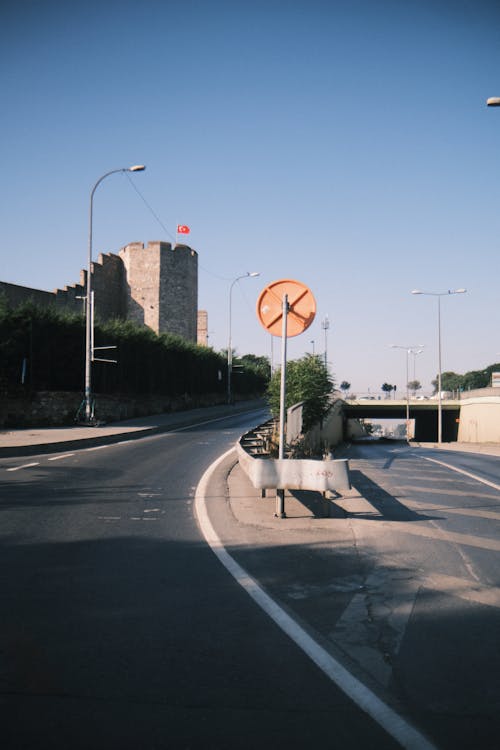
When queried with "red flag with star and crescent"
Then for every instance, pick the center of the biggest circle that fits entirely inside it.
(183, 229)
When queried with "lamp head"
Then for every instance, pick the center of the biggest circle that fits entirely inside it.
(416, 291)
(137, 168)
(493, 101)
(254, 273)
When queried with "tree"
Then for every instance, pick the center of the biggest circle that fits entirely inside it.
(414, 386)
(258, 363)
(387, 388)
(476, 379)
(344, 386)
(450, 381)
(308, 381)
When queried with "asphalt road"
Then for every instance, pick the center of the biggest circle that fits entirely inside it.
(400, 582)
(433, 585)
(120, 628)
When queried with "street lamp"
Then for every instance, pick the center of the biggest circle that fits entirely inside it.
(89, 305)
(493, 101)
(325, 325)
(439, 295)
(229, 345)
(409, 350)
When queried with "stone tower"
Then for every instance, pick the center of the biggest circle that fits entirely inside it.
(161, 287)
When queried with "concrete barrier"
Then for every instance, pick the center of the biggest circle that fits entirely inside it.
(294, 473)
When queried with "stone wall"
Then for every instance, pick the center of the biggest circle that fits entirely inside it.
(179, 291)
(108, 281)
(17, 295)
(155, 286)
(53, 409)
(161, 287)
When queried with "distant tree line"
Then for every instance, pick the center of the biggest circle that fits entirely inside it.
(452, 381)
(42, 349)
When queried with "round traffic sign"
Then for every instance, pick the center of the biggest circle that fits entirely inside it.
(301, 307)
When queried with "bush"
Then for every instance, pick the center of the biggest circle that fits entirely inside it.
(52, 344)
(307, 380)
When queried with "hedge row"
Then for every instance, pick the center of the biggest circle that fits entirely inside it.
(43, 349)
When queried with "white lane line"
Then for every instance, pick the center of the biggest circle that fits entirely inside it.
(24, 466)
(408, 737)
(462, 471)
(58, 458)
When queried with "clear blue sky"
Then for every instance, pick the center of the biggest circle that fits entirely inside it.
(345, 144)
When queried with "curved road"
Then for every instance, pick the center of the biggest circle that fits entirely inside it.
(120, 628)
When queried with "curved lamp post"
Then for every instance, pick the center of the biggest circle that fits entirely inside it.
(439, 295)
(229, 344)
(89, 305)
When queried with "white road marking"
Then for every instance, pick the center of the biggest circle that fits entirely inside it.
(386, 717)
(24, 466)
(109, 518)
(58, 458)
(462, 471)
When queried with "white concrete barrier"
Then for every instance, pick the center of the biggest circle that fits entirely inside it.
(295, 473)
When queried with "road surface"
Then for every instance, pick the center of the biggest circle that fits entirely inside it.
(120, 628)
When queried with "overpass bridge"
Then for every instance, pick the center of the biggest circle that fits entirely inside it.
(474, 417)
(423, 412)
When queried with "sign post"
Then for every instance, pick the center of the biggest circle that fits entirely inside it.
(285, 308)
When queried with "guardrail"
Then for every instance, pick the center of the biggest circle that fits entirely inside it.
(290, 473)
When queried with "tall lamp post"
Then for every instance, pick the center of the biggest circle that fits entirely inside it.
(439, 295)
(409, 350)
(248, 274)
(325, 325)
(89, 305)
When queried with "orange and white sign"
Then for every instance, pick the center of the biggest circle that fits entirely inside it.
(301, 307)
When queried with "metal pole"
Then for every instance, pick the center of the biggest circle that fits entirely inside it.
(440, 410)
(326, 325)
(88, 308)
(407, 398)
(280, 493)
(230, 347)
(88, 319)
(230, 343)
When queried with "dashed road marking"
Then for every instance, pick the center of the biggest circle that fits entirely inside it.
(24, 466)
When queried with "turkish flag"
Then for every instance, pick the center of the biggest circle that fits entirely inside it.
(182, 229)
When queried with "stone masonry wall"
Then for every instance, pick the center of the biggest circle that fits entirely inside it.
(17, 295)
(179, 291)
(141, 287)
(108, 280)
(155, 286)
(161, 287)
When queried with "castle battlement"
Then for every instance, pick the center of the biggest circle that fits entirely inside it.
(154, 285)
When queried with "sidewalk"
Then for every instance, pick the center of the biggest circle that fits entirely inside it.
(487, 449)
(34, 440)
